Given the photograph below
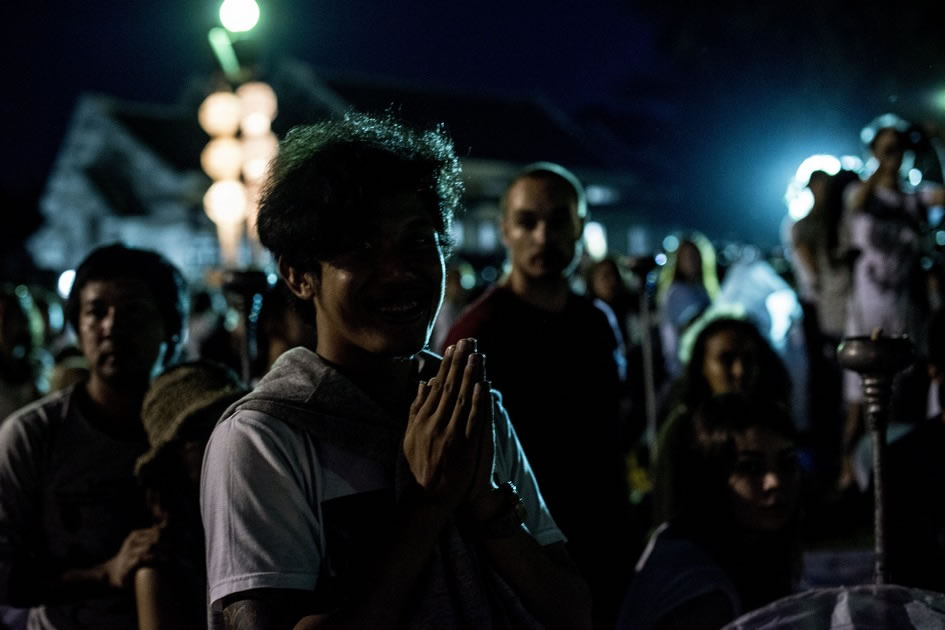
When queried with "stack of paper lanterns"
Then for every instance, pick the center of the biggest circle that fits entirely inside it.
(240, 148)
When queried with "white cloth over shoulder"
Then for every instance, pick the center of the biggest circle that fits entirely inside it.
(265, 483)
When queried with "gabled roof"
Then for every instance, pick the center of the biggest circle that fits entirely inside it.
(170, 131)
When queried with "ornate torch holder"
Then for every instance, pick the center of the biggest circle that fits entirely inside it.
(877, 359)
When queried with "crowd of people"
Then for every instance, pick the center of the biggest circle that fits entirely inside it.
(379, 442)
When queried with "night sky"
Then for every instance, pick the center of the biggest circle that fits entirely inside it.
(714, 103)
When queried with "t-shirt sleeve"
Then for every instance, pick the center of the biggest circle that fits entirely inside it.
(511, 464)
(613, 338)
(259, 507)
(19, 479)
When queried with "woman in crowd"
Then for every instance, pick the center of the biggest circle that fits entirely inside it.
(823, 272)
(728, 355)
(886, 219)
(822, 266)
(179, 412)
(606, 283)
(733, 545)
(687, 285)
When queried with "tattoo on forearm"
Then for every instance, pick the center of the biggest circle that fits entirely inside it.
(248, 614)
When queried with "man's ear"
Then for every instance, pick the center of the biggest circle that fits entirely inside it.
(579, 227)
(503, 230)
(302, 284)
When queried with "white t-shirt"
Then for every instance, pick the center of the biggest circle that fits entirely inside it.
(68, 498)
(264, 484)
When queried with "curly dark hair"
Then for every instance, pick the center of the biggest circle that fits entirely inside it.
(329, 177)
(165, 281)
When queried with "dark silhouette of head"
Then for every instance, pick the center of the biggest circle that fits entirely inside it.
(163, 279)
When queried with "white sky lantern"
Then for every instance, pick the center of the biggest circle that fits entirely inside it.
(225, 204)
(226, 158)
(255, 124)
(259, 107)
(222, 158)
(220, 114)
(257, 151)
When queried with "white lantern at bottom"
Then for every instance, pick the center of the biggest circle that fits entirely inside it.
(222, 158)
(225, 204)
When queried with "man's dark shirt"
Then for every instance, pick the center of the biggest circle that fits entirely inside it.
(559, 379)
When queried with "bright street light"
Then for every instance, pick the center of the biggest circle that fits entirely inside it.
(239, 16)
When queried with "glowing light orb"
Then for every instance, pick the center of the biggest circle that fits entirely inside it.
(827, 163)
(782, 305)
(801, 203)
(670, 243)
(595, 239)
(601, 195)
(486, 236)
(257, 152)
(225, 202)
(257, 98)
(851, 163)
(222, 158)
(798, 196)
(239, 16)
(64, 284)
(255, 124)
(219, 114)
(915, 176)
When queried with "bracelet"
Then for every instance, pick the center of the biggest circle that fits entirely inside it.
(508, 519)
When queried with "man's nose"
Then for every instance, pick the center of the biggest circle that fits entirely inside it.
(737, 370)
(107, 321)
(117, 319)
(540, 233)
(393, 262)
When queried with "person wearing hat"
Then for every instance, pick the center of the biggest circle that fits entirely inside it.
(73, 524)
(179, 412)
